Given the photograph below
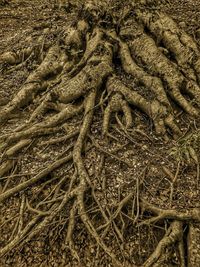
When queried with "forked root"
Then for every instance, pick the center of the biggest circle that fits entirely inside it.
(84, 177)
(45, 127)
(116, 103)
(174, 234)
(154, 109)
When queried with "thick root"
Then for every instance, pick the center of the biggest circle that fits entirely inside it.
(52, 64)
(154, 110)
(91, 46)
(92, 76)
(74, 37)
(177, 41)
(73, 40)
(151, 82)
(139, 74)
(117, 103)
(80, 74)
(144, 49)
(55, 61)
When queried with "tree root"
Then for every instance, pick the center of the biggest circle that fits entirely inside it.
(45, 127)
(177, 41)
(153, 109)
(116, 103)
(34, 179)
(39, 227)
(79, 73)
(83, 175)
(8, 164)
(51, 65)
(19, 236)
(144, 49)
(91, 46)
(191, 214)
(91, 76)
(141, 77)
(174, 234)
(60, 139)
(69, 239)
(180, 44)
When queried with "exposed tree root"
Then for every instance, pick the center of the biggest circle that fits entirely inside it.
(154, 110)
(79, 74)
(40, 226)
(70, 229)
(144, 49)
(141, 77)
(177, 41)
(35, 179)
(9, 163)
(117, 103)
(83, 175)
(91, 46)
(51, 65)
(47, 126)
(191, 214)
(173, 235)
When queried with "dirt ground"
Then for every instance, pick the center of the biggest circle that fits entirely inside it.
(137, 162)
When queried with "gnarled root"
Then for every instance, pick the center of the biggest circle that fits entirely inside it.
(117, 103)
(154, 110)
(91, 46)
(138, 73)
(55, 61)
(51, 65)
(145, 51)
(73, 75)
(176, 40)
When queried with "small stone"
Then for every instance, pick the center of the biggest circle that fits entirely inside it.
(144, 147)
(182, 24)
(92, 250)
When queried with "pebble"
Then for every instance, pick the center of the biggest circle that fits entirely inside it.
(182, 24)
